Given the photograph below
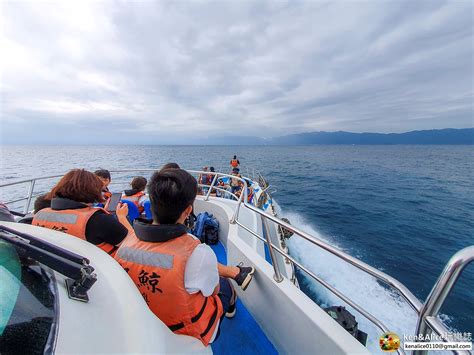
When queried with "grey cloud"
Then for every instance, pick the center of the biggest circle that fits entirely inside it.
(157, 70)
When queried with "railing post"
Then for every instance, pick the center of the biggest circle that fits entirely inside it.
(277, 276)
(441, 290)
(236, 213)
(210, 188)
(30, 194)
(245, 192)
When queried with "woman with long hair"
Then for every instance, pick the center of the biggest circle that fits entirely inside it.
(72, 212)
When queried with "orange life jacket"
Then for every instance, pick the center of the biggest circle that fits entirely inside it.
(234, 163)
(106, 194)
(158, 268)
(250, 195)
(135, 199)
(210, 178)
(72, 222)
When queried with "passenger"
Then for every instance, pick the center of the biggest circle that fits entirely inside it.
(170, 166)
(222, 186)
(210, 179)
(104, 176)
(176, 274)
(40, 203)
(203, 180)
(189, 223)
(5, 214)
(234, 163)
(71, 212)
(250, 191)
(234, 183)
(136, 194)
(210, 176)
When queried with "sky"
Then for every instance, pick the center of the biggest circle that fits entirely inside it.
(159, 72)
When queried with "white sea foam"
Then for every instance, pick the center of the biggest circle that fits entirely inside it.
(383, 303)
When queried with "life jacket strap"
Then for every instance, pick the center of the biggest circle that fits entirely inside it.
(194, 319)
(210, 324)
(113, 250)
(176, 327)
(199, 315)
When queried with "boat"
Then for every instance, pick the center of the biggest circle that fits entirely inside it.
(88, 304)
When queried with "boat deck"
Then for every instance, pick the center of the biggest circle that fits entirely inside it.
(241, 334)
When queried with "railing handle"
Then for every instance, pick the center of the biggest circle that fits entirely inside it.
(30, 194)
(277, 277)
(210, 188)
(237, 209)
(441, 290)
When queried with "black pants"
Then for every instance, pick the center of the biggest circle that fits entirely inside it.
(225, 294)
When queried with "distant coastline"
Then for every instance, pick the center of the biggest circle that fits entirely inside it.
(447, 136)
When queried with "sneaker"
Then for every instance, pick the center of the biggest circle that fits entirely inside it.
(245, 275)
(233, 305)
(231, 311)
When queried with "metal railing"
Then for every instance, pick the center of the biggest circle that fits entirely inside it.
(427, 312)
(31, 188)
(31, 185)
(427, 320)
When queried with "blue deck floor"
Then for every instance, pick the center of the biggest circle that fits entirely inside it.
(241, 334)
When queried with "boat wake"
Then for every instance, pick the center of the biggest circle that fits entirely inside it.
(383, 303)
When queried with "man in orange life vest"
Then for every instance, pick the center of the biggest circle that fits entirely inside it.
(176, 274)
(136, 194)
(234, 163)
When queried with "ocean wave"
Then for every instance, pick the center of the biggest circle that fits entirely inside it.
(378, 299)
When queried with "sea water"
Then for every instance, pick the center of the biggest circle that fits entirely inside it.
(402, 209)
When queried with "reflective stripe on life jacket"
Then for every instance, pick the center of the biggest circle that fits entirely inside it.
(234, 163)
(135, 198)
(158, 268)
(73, 222)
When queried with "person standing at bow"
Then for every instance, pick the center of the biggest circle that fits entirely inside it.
(234, 163)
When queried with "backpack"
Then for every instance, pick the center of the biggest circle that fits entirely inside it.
(206, 228)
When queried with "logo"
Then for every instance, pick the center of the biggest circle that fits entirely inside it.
(389, 342)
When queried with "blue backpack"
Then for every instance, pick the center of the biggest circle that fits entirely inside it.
(206, 228)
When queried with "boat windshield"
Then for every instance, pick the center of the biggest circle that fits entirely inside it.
(27, 304)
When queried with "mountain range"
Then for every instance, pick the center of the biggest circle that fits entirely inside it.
(447, 136)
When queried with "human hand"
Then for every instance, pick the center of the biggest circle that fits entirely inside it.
(122, 210)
